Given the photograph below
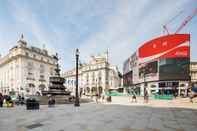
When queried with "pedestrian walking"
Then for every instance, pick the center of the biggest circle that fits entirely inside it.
(97, 97)
(134, 99)
(81, 91)
(72, 96)
(22, 100)
(51, 102)
(146, 96)
(19, 99)
(1, 100)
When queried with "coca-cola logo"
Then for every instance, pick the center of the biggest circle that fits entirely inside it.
(181, 53)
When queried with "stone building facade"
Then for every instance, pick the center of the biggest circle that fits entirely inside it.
(25, 70)
(193, 72)
(98, 75)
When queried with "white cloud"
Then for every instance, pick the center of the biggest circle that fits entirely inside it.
(128, 27)
(123, 26)
(28, 21)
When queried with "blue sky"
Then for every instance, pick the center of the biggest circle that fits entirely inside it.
(93, 26)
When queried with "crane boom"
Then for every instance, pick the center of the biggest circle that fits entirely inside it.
(186, 21)
(165, 26)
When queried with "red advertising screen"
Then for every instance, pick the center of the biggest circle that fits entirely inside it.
(170, 46)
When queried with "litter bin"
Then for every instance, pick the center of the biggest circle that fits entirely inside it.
(32, 104)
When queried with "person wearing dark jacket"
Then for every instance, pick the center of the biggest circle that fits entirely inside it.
(146, 96)
(1, 100)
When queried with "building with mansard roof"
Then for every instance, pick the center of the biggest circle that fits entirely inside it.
(96, 76)
(26, 69)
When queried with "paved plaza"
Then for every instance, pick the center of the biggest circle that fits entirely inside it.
(167, 116)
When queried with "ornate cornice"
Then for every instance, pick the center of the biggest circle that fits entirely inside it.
(9, 59)
(40, 53)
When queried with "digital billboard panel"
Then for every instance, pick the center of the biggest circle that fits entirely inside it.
(174, 69)
(149, 70)
(170, 46)
(173, 54)
(164, 58)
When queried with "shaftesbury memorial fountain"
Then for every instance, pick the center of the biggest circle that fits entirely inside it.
(56, 88)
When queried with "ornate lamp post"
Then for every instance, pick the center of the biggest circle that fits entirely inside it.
(76, 92)
(144, 75)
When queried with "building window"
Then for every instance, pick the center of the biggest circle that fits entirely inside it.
(42, 69)
(30, 66)
(93, 76)
(34, 56)
(51, 71)
(29, 73)
(26, 53)
(41, 77)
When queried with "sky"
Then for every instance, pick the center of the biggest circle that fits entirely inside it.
(93, 26)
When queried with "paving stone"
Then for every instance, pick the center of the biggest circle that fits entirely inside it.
(99, 117)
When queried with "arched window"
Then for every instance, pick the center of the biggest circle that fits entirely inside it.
(42, 87)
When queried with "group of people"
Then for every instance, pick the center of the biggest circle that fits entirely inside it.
(21, 100)
(102, 97)
(146, 96)
(193, 93)
(7, 100)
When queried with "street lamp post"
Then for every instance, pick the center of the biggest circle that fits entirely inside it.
(145, 84)
(76, 92)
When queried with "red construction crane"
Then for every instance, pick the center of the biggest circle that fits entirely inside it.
(165, 26)
(186, 21)
(188, 18)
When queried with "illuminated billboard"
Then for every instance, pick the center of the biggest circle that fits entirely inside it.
(168, 56)
(170, 46)
(164, 58)
(174, 69)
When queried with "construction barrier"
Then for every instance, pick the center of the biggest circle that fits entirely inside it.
(113, 93)
(163, 97)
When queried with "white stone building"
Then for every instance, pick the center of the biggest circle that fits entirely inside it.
(96, 76)
(193, 72)
(25, 70)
